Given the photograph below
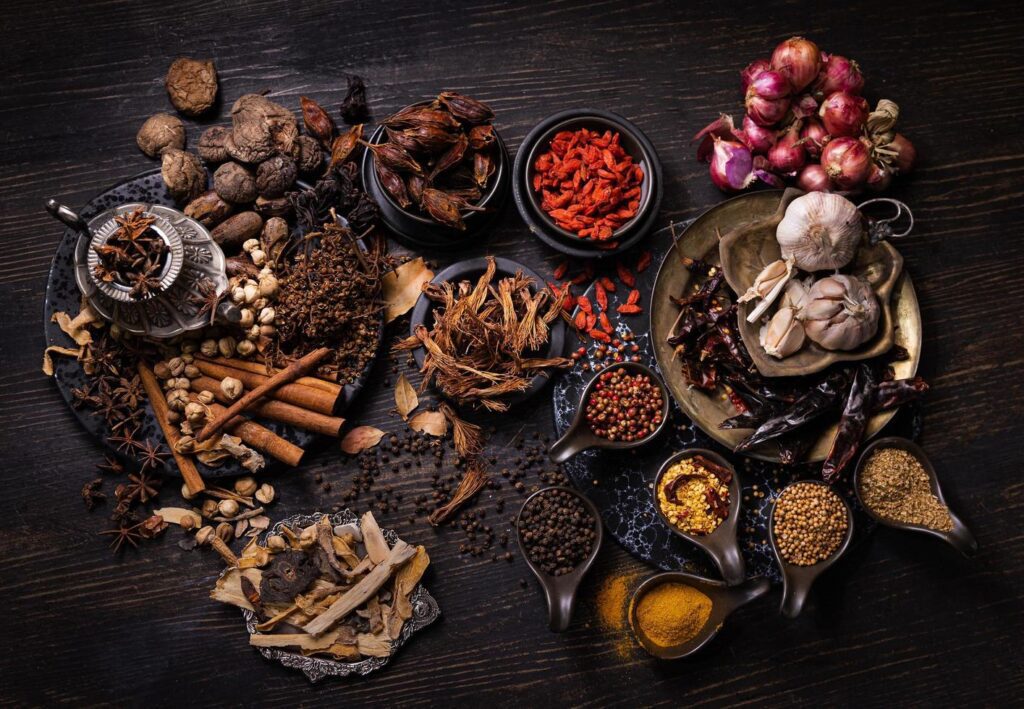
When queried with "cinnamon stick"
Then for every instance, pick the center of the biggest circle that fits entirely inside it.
(289, 374)
(259, 368)
(296, 394)
(279, 411)
(259, 437)
(188, 469)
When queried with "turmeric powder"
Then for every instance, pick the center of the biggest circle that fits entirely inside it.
(672, 613)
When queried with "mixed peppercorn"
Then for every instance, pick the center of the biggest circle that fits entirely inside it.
(624, 406)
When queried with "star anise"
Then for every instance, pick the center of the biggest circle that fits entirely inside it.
(83, 396)
(207, 298)
(124, 534)
(111, 410)
(129, 391)
(123, 514)
(134, 224)
(110, 465)
(151, 455)
(140, 486)
(125, 440)
(144, 282)
(91, 494)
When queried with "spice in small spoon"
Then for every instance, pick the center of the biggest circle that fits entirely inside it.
(894, 485)
(810, 523)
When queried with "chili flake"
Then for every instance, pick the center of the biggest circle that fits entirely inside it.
(589, 185)
(693, 498)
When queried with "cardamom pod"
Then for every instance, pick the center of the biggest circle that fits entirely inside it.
(318, 123)
(466, 108)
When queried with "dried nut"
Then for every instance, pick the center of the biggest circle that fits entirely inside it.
(269, 208)
(246, 486)
(162, 370)
(310, 154)
(182, 383)
(205, 397)
(208, 209)
(267, 316)
(258, 257)
(231, 388)
(265, 494)
(187, 494)
(234, 183)
(268, 286)
(225, 531)
(250, 245)
(260, 129)
(228, 508)
(168, 383)
(236, 230)
(209, 508)
(204, 535)
(276, 542)
(187, 522)
(191, 85)
(192, 371)
(211, 144)
(183, 173)
(254, 332)
(252, 292)
(226, 346)
(245, 348)
(209, 348)
(161, 130)
(195, 413)
(259, 304)
(177, 399)
(188, 350)
(238, 295)
(246, 319)
(176, 365)
(268, 330)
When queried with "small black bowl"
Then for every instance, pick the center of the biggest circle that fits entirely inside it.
(633, 142)
(471, 269)
(418, 230)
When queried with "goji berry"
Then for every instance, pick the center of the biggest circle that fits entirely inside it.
(588, 268)
(560, 270)
(607, 283)
(600, 336)
(625, 275)
(601, 296)
(580, 321)
(606, 324)
(629, 309)
(634, 297)
(584, 303)
(643, 261)
(591, 321)
(579, 279)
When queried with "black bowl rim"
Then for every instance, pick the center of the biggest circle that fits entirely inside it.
(504, 266)
(554, 236)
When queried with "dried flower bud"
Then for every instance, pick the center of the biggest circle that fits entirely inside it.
(176, 365)
(192, 371)
(186, 493)
(162, 370)
(276, 542)
(205, 397)
(252, 292)
(161, 130)
(258, 257)
(192, 85)
(265, 494)
(268, 330)
(231, 388)
(195, 413)
(209, 348)
(209, 508)
(204, 535)
(250, 245)
(182, 383)
(253, 333)
(187, 522)
(259, 304)
(238, 295)
(318, 123)
(234, 183)
(183, 173)
(211, 145)
(275, 237)
(225, 532)
(268, 286)
(245, 348)
(267, 316)
(246, 319)
(226, 346)
(228, 508)
(246, 486)
(177, 399)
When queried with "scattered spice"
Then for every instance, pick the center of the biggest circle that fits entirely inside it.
(693, 494)
(672, 613)
(894, 485)
(613, 609)
(588, 183)
(809, 522)
(557, 531)
(624, 406)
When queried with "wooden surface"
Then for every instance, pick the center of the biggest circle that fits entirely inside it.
(902, 621)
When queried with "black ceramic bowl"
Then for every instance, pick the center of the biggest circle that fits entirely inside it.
(471, 269)
(633, 142)
(418, 230)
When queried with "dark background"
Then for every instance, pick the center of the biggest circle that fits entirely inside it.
(903, 620)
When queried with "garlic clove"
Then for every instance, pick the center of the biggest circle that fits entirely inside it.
(767, 286)
(783, 335)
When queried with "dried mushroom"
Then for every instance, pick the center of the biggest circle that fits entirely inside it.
(260, 129)
(209, 209)
(192, 85)
(161, 130)
(234, 183)
(309, 156)
(211, 145)
(183, 174)
(275, 175)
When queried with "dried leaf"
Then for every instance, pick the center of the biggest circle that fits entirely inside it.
(402, 287)
(48, 361)
(405, 397)
(432, 423)
(361, 438)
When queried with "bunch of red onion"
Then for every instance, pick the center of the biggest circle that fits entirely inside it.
(806, 124)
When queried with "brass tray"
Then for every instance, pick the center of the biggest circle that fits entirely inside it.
(700, 241)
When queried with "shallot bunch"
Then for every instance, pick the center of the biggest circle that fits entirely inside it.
(807, 124)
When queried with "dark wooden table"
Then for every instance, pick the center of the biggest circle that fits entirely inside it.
(902, 621)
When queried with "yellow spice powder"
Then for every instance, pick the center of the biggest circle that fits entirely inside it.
(672, 613)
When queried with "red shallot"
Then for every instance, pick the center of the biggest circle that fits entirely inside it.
(847, 161)
(731, 165)
(758, 138)
(844, 114)
(879, 176)
(814, 136)
(813, 178)
(751, 70)
(788, 154)
(767, 98)
(903, 161)
(839, 74)
(797, 59)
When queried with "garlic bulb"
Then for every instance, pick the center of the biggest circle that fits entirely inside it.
(783, 334)
(767, 286)
(820, 231)
(841, 313)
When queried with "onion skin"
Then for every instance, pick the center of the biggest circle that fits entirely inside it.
(906, 154)
(847, 161)
(839, 74)
(813, 178)
(799, 60)
(731, 165)
(751, 70)
(756, 137)
(879, 176)
(844, 114)
(814, 136)
(788, 154)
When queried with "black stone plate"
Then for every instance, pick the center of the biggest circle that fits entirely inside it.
(62, 295)
(619, 483)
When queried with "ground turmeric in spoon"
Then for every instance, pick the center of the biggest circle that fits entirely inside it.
(672, 613)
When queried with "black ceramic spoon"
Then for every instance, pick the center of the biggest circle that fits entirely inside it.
(960, 537)
(797, 580)
(721, 544)
(578, 437)
(560, 591)
(724, 600)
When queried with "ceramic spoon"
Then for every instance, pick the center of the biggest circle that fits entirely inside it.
(560, 591)
(960, 537)
(797, 580)
(724, 600)
(579, 437)
(721, 544)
